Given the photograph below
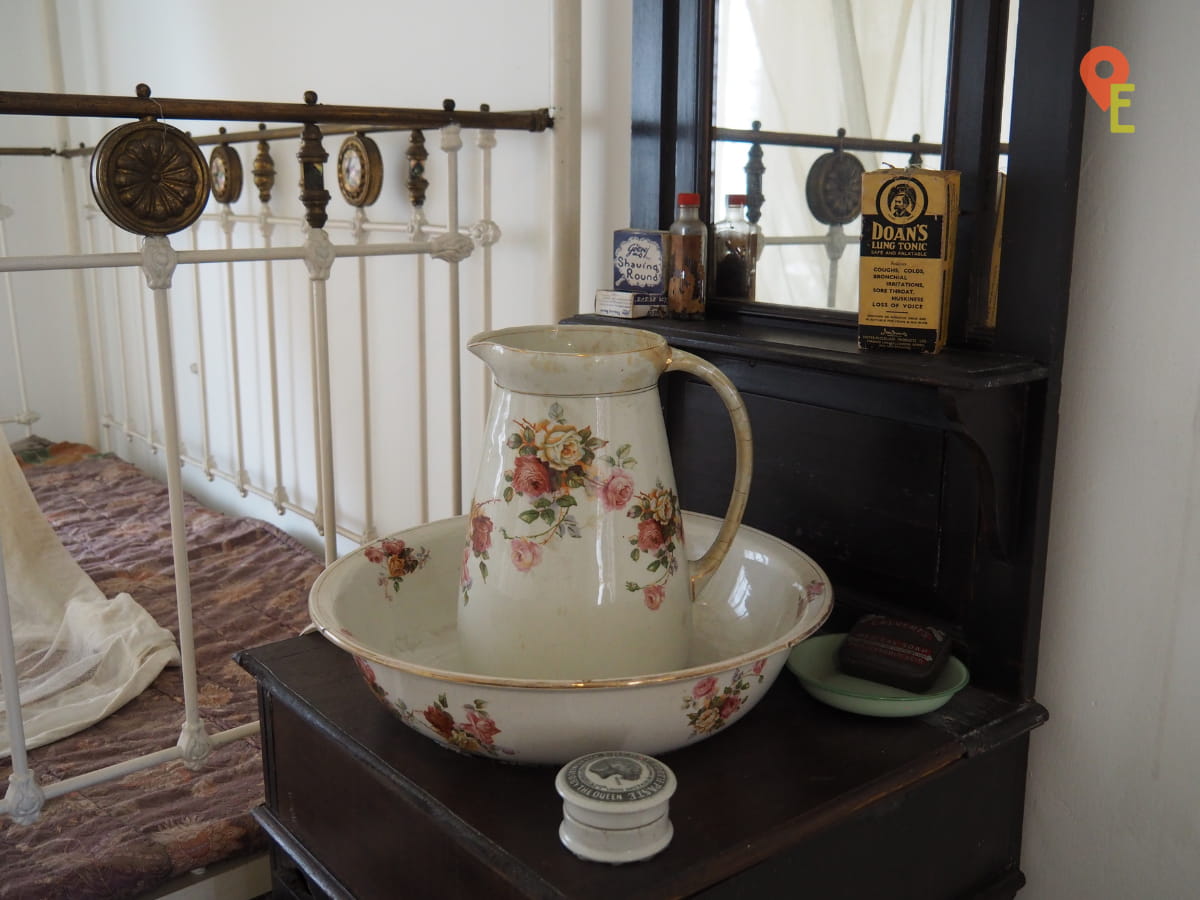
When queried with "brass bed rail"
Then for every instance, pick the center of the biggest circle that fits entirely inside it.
(145, 106)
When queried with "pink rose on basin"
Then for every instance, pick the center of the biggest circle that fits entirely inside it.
(531, 477)
(617, 491)
(730, 705)
(653, 594)
(480, 726)
(525, 554)
(392, 547)
(704, 687)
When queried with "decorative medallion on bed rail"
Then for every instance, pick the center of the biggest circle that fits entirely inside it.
(225, 169)
(149, 177)
(360, 170)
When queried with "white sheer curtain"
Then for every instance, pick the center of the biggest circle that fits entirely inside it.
(874, 67)
(79, 655)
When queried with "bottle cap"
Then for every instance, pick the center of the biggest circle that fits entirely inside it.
(689, 199)
(735, 199)
(615, 806)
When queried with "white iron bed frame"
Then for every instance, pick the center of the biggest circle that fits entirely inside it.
(159, 260)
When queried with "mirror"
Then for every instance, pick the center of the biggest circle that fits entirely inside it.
(883, 70)
(875, 69)
(869, 69)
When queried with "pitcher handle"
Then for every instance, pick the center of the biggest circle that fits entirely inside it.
(682, 361)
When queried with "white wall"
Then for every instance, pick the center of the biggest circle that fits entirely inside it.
(35, 184)
(1113, 806)
(355, 52)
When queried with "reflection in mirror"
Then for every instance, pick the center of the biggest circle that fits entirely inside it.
(875, 68)
(1010, 46)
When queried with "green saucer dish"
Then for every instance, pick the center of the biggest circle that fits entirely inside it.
(814, 662)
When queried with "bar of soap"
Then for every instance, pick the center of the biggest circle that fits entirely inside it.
(894, 652)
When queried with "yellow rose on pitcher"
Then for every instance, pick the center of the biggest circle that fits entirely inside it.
(561, 446)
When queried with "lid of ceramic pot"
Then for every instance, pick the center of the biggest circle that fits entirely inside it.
(615, 806)
(615, 789)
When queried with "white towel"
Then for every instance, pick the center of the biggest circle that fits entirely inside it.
(80, 656)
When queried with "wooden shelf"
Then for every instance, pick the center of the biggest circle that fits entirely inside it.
(835, 349)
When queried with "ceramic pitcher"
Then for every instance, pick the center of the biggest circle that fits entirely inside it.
(575, 565)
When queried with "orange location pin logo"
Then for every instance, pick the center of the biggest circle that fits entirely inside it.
(1097, 85)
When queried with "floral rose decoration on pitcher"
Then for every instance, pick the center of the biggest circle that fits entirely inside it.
(479, 542)
(659, 524)
(555, 461)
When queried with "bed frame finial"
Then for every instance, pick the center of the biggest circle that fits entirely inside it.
(264, 169)
(312, 158)
(417, 182)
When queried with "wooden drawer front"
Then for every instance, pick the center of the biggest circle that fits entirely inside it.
(372, 838)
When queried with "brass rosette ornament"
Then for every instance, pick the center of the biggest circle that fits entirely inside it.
(150, 178)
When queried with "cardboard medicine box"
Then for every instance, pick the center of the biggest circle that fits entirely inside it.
(640, 261)
(631, 305)
(906, 258)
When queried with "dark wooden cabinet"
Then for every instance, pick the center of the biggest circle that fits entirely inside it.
(906, 478)
(798, 799)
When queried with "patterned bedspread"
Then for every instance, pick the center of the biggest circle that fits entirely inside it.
(250, 586)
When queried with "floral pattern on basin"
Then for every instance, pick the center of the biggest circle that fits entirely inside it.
(408, 646)
(555, 461)
(397, 559)
(474, 732)
(709, 707)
